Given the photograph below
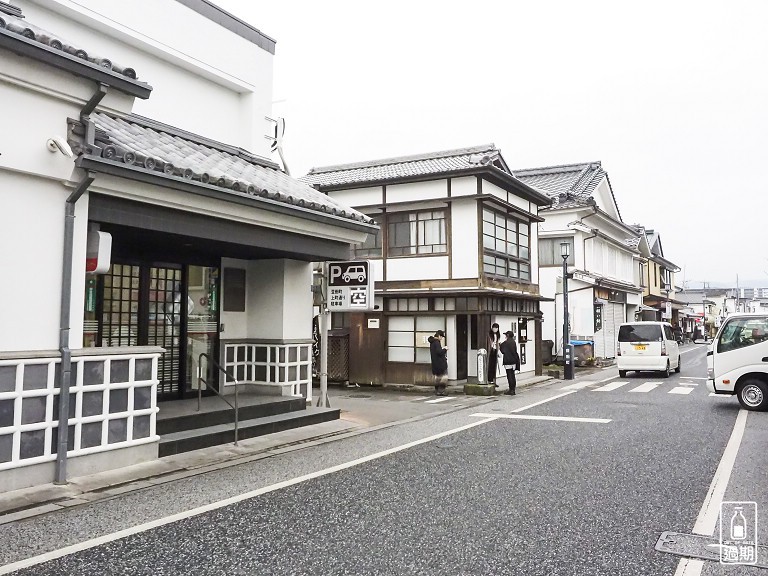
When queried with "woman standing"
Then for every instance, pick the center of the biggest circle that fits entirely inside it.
(493, 352)
(439, 357)
(511, 360)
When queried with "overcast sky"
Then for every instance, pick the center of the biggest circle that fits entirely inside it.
(671, 96)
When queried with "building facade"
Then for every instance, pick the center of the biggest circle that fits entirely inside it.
(148, 224)
(604, 262)
(456, 251)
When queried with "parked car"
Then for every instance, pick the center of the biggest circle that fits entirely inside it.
(645, 346)
(737, 360)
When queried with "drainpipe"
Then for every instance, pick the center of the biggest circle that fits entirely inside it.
(65, 366)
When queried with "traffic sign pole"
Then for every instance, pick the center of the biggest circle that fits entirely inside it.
(324, 322)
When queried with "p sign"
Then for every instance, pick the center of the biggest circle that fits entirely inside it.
(350, 286)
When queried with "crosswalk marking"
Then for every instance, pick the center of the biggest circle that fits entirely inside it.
(680, 390)
(689, 383)
(577, 386)
(647, 387)
(436, 400)
(611, 386)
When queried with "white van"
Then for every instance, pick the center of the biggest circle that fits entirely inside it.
(647, 346)
(737, 360)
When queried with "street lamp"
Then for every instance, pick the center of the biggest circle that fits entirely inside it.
(567, 355)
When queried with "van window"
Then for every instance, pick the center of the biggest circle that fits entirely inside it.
(742, 332)
(640, 333)
(668, 333)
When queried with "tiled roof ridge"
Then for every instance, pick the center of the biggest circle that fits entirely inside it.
(24, 28)
(197, 138)
(402, 159)
(149, 146)
(556, 169)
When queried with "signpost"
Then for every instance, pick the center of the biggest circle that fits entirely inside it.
(348, 287)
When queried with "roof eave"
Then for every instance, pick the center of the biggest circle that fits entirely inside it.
(523, 189)
(70, 63)
(104, 166)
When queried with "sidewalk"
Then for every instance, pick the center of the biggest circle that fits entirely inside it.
(357, 418)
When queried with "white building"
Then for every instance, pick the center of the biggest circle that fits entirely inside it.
(604, 260)
(211, 242)
(457, 251)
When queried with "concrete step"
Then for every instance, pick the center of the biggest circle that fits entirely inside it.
(187, 440)
(214, 411)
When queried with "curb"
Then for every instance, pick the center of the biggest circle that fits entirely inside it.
(70, 496)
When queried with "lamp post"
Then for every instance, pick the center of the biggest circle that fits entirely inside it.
(567, 354)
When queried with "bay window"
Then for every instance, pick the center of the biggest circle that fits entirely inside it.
(506, 246)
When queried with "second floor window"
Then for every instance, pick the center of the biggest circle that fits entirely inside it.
(411, 233)
(506, 246)
(550, 251)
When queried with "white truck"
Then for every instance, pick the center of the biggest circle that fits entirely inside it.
(737, 360)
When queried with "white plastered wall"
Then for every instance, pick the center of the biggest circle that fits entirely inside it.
(464, 241)
(210, 81)
(278, 301)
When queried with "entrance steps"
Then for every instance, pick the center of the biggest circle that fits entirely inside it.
(182, 428)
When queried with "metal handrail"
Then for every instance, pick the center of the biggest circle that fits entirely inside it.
(201, 380)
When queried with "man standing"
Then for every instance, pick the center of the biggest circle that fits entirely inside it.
(511, 360)
(439, 357)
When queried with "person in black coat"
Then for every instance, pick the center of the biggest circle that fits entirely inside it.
(439, 357)
(494, 339)
(511, 360)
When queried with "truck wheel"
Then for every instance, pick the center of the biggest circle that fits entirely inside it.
(679, 364)
(753, 395)
(622, 373)
(666, 371)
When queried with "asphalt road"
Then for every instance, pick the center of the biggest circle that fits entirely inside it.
(501, 495)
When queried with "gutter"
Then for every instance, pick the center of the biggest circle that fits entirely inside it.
(70, 63)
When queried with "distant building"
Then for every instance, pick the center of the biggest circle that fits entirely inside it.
(457, 250)
(606, 289)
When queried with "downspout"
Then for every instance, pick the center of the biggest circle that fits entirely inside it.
(65, 366)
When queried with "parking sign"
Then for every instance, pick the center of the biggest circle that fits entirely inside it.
(350, 286)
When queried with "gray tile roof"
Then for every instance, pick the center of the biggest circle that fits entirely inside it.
(12, 20)
(570, 185)
(148, 144)
(443, 162)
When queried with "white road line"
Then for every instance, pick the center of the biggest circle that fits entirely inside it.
(689, 350)
(610, 387)
(92, 543)
(417, 399)
(710, 510)
(607, 379)
(436, 400)
(553, 418)
(689, 567)
(647, 387)
(688, 383)
(680, 390)
(577, 385)
(694, 377)
(542, 402)
(713, 394)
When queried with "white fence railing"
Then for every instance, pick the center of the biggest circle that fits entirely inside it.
(270, 363)
(113, 403)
